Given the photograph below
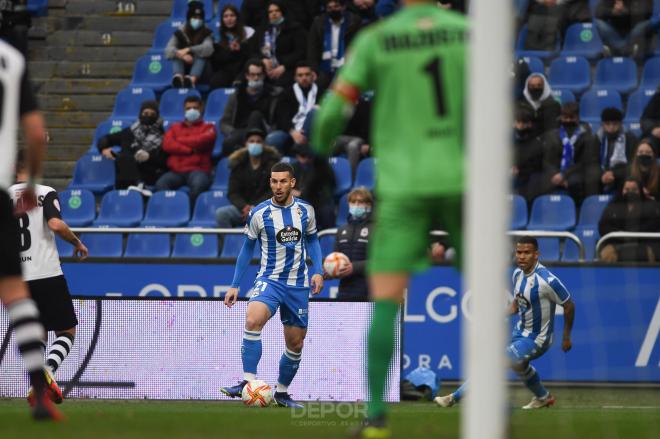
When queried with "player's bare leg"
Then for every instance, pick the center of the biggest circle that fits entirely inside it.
(294, 338)
(256, 317)
(24, 316)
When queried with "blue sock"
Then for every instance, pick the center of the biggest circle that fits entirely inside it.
(288, 367)
(533, 382)
(251, 353)
(458, 394)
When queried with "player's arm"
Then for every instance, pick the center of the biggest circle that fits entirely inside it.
(569, 316)
(513, 308)
(315, 254)
(242, 263)
(51, 206)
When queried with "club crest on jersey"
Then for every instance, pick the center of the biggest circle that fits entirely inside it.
(522, 302)
(300, 212)
(289, 236)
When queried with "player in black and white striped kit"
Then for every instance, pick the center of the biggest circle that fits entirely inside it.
(17, 102)
(43, 273)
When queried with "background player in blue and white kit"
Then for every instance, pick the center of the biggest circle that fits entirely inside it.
(536, 293)
(286, 227)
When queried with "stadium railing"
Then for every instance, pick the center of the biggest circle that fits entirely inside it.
(631, 235)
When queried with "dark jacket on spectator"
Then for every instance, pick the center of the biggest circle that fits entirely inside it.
(585, 152)
(240, 105)
(352, 240)
(620, 170)
(189, 146)
(367, 16)
(291, 44)
(317, 35)
(247, 185)
(255, 12)
(577, 11)
(287, 108)
(546, 110)
(528, 158)
(227, 64)
(651, 116)
(635, 12)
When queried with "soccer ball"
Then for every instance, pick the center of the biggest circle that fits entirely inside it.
(257, 394)
(334, 263)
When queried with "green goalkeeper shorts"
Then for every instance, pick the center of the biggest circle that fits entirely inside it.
(401, 241)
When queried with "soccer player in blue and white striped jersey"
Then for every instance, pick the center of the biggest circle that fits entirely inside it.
(286, 227)
(536, 294)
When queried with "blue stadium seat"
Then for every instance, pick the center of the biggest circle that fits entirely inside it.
(651, 73)
(37, 8)
(570, 73)
(171, 102)
(215, 103)
(147, 245)
(343, 175)
(163, 33)
(153, 71)
(109, 126)
(582, 39)
(236, 3)
(219, 140)
(549, 249)
(205, 207)
(592, 209)
(553, 213)
(232, 244)
(594, 101)
(563, 96)
(616, 73)
(364, 175)
(637, 102)
(522, 52)
(221, 181)
(121, 209)
(342, 211)
(103, 245)
(195, 246)
(94, 173)
(589, 237)
(64, 249)
(327, 244)
(535, 64)
(128, 102)
(167, 209)
(180, 7)
(519, 220)
(78, 207)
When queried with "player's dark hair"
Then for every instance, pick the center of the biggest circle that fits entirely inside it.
(282, 167)
(528, 240)
(193, 98)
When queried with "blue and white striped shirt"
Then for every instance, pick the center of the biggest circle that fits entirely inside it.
(283, 233)
(537, 295)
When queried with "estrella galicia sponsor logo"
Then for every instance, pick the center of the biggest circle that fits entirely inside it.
(289, 236)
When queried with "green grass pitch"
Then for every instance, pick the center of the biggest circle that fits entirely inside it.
(579, 413)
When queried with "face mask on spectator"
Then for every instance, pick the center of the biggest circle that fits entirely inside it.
(148, 120)
(645, 160)
(335, 15)
(523, 133)
(631, 197)
(255, 149)
(357, 211)
(196, 23)
(535, 93)
(192, 114)
(277, 21)
(256, 84)
(570, 124)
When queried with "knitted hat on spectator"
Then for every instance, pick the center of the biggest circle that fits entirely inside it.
(611, 114)
(195, 7)
(254, 130)
(152, 105)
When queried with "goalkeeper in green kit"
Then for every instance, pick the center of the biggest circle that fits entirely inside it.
(414, 61)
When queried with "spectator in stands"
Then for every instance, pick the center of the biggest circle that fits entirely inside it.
(538, 98)
(190, 47)
(570, 156)
(355, 141)
(385, 8)
(280, 44)
(315, 183)
(252, 105)
(249, 179)
(300, 11)
(189, 145)
(645, 168)
(617, 148)
(15, 22)
(365, 9)
(231, 52)
(141, 160)
(567, 11)
(353, 240)
(544, 20)
(630, 211)
(527, 169)
(624, 25)
(292, 108)
(650, 122)
(329, 37)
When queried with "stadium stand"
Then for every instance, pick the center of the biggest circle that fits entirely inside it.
(618, 74)
(594, 101)
(535, 64)
(221, 181)
(582, 39)
(171, 103)
(120, 209)
(195, 246)
(147, 245)
(180, 7)
(64, 249)
(553, 213)
(232, 244)
(637, 101)
(128, 101)
(591, 210)
(153, 71)
(563, 96)
(327, 244)
(342, 210)
(570, 73)
(519, 219)
(103, 245)
(78, 207)
(520, 47)
(163, 34)
(343, 176)
(205, 206)
(94, 173)
(167, 209)
(651, 73)
(364, 175)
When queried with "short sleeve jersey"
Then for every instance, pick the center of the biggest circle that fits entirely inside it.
(414, 62)
(282, 232)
